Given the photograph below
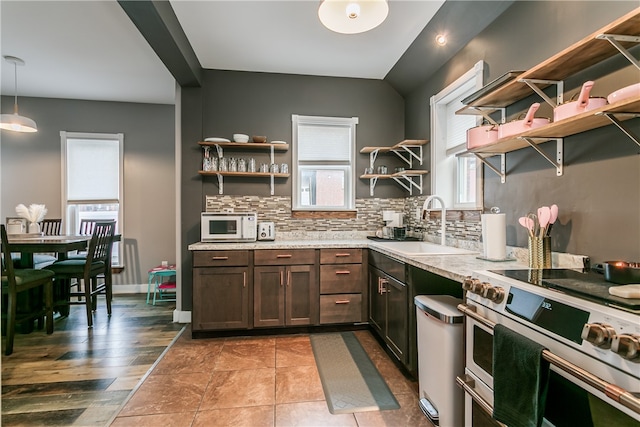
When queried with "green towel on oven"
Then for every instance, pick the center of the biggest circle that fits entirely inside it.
(520, 379)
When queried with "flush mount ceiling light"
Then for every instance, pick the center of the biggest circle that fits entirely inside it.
(352, 17)
(16, 122)
(441, 39)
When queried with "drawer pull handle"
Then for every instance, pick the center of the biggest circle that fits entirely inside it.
(283, 256)
(343, 255)
(220, 258)
(343, 301)
(343, 272)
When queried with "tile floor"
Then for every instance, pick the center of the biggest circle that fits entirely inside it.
(255, 381)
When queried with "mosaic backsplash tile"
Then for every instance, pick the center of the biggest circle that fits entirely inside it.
(369, 217)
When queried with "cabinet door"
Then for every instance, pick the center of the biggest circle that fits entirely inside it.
(377, 306)
(220, 298)
(268, 296)
(302, 295)
(397, 332)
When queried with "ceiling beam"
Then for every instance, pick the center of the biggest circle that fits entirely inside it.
(158, 24)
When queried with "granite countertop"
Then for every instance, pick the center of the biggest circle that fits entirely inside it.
(455, 267)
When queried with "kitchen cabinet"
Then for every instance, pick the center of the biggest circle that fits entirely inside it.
(608, 41)
(341, 286)
(221, 287)
(285, 288)
(220, 146)
(407, 150)
(392, 313)
(388, 300)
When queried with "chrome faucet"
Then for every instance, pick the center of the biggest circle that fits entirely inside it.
(425, 209)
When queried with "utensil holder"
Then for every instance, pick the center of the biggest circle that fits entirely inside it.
(539, 252)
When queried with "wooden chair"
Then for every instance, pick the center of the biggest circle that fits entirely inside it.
(51, 227)
(87, 225)
(97, 264)
(15, 281)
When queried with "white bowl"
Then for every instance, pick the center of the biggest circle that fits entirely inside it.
(240, 137)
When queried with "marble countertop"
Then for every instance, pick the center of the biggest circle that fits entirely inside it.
(455, 267)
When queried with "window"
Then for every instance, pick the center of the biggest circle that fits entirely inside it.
(92, 173)
(457, 179)
(323, 157)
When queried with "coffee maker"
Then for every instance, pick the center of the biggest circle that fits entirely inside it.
(392, 220)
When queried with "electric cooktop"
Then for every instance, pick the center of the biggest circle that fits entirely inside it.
(588, 285)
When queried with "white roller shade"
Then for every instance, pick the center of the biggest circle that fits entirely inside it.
(327, 143)
(93, 169)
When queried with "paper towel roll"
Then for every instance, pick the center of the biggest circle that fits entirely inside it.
(494, 236)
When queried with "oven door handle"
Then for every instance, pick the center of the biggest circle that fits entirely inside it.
(468, 385)
(612, 391)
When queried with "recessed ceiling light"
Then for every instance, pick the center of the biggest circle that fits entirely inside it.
(441, 39)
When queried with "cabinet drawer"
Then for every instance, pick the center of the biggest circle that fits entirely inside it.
(341, 279)
(284, 256)
(220, 258)
(344, 308)
(340, 256)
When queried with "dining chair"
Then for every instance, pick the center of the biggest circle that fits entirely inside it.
(17, 280)
(87, 270)
(51, 226)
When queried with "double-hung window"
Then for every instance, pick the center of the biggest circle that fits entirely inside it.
(324, 163)
(92, 174)
(457, 179)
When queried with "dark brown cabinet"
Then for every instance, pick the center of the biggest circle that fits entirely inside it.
(341, 286)
(221, 288)
(285, 294)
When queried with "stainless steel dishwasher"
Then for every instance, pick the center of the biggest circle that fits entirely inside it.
(440, 358)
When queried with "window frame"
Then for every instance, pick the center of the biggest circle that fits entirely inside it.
(298, 166)
(440, 153)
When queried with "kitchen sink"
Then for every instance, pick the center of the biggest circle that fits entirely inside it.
(421, 248)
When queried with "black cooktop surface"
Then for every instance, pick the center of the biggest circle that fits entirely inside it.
(586, 285)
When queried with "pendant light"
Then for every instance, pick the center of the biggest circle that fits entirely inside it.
(16, 122)
(352, 16)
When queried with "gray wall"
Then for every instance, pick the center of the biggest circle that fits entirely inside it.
(31, 170)
(262, 104)
(598, 195)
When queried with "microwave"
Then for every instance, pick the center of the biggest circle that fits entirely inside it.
(228, 227)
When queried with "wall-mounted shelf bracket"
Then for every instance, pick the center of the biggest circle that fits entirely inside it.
(484, 112)
(405, 153)
(408, 183)
(559, 160)
(220, 183)
(533, 84)
(614, 39)
(372, 160)
(503, 166)
(372, 185)
(622, 127)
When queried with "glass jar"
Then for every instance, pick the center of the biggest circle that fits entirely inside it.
(233, 164)
(242, 165)
(223, 164)
(252, 165)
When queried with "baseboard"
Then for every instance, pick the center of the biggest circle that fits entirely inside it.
(140, 288)
(181, 316)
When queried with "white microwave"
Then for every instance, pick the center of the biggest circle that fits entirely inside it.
(228, 227)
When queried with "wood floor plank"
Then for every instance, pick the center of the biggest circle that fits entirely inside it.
(80, 376)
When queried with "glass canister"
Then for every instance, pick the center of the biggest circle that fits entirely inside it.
(223, 164)
(274, 168)
(252, 165)
(242, 165)
(284, 168)
(233, 164)
(264, 168)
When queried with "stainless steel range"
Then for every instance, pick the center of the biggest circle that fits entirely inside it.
(592, 341)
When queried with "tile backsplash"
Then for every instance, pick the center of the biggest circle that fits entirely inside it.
(367, 221)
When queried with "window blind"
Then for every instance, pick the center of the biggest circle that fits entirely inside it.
(93, 169)
(324, 143)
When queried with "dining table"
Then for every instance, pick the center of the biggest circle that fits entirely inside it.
(28, 245)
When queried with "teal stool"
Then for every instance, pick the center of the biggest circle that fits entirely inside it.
(164, 290)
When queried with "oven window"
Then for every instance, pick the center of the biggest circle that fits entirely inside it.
(479, 418)
(218, 227)
(568, 405)
(483, 349)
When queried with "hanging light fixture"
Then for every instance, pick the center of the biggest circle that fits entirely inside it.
(16, 122)
(352, 16)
